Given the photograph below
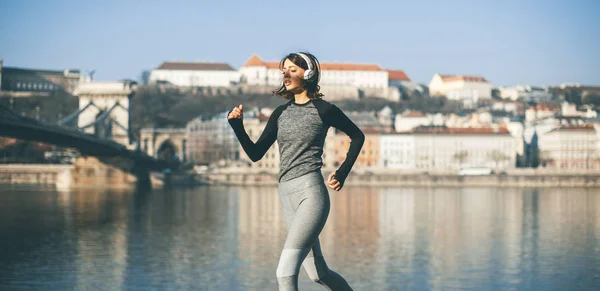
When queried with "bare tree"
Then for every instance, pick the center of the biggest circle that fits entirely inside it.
(461, 156)
(497, 156)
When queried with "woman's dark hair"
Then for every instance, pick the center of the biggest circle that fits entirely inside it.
(311, 85)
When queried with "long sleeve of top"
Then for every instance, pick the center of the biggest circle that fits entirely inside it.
(336, 118)
(300, 131)
(256, 151)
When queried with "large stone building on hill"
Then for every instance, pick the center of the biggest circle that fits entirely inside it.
(195, 74)
(338, 80)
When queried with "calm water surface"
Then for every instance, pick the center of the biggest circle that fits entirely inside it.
(230, 238)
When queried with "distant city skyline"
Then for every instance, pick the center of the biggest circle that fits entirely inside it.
(508, 43)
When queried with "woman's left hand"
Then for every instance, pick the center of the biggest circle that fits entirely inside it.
(333, 183)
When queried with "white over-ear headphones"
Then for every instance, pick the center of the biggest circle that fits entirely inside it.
(310, 71)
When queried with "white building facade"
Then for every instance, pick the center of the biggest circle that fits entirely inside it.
(570, 147)
(525, 92)
(410, 120)
(397, 151)
(456, 148)
(338, 80)
(464, 88)
(199, 74)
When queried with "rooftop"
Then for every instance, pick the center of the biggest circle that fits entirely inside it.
(195, 66)
(256, 61)
(454, 78)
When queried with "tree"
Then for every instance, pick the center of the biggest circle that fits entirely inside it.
(591, 98)
(497, 156)
(461, 157)
(145, 77)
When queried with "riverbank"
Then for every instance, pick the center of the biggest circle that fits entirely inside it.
(86, 172)
(373, 178)
(96, 175)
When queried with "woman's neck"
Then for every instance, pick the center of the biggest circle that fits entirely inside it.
(301, 98)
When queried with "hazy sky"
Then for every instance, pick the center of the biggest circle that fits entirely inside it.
(509, 42)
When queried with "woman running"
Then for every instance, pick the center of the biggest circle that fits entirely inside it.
(300, 127)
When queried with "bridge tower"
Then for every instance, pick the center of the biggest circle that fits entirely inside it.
(104, 109)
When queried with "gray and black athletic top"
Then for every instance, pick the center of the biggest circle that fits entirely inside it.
(300, 131)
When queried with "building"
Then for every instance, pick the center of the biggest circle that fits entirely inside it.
(197, 74)
(210, 139)
(538, 112)
(397, 82)
(401, 85)
(570, 109)
(397, 78)
(256, 72)
(338, 80)
(469, 89)
(397, 151)
(570, 147)
(254, 126)
(21, 82)
(369, 155)
(526, 93)
(506, 106)
(366, 120)
(480, 118)
(456, 148)
(410, 120)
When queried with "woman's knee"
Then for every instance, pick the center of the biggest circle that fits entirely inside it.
(290, 262)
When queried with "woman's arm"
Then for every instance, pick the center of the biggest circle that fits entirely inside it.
(340, 121)
(256, 151)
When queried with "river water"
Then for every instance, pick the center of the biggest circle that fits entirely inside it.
(230, 238)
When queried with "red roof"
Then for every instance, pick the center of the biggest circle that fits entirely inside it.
(451, 78)
(461, 131)
(413, 114)
(350, 67)
(585, 127)
(542, 107)
(396, 75)
(196, 66)
(256, 61)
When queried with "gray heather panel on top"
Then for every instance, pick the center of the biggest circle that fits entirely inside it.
(301, 136)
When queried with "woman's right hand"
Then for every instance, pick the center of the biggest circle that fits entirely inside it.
(237, 112)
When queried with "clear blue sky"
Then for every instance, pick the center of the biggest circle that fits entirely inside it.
(508, 42)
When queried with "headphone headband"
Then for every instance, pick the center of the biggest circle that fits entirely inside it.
(310, 72)
(307, 59)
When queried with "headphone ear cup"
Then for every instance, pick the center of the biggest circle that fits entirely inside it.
(308, 74)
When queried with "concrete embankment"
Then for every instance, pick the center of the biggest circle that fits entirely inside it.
(511, 178)
(91, 173)
(86, 172)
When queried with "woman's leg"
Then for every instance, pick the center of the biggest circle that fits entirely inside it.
(305, 207)
(317, 270)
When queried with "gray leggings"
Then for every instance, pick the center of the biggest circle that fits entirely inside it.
(305, 203)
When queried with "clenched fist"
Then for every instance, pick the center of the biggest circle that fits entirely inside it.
(333, 183)
(237, 112)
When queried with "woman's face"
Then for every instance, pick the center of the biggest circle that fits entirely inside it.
(292, 76)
